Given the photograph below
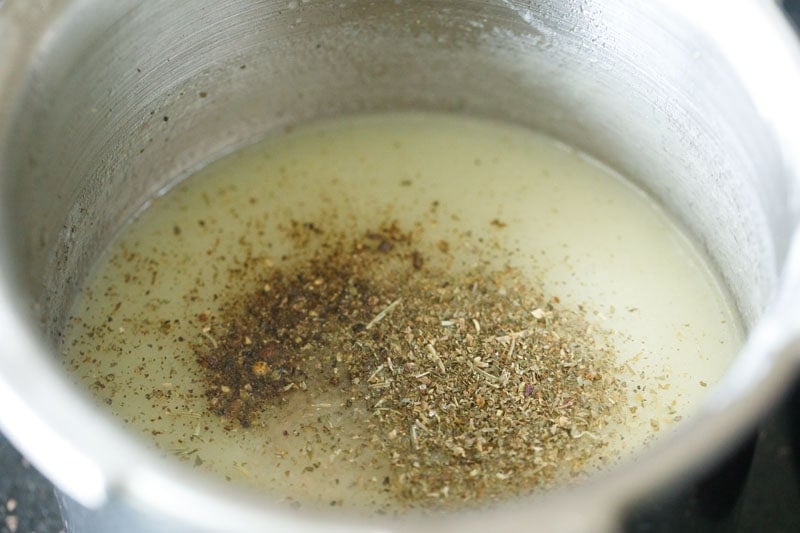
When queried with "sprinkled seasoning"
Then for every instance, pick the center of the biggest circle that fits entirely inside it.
(475, 386)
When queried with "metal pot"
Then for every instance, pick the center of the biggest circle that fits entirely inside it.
(99, 111)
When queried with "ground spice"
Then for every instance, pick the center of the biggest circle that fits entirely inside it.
(479, 387)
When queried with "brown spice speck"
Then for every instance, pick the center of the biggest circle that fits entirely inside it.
(260, 368)
(417, 260)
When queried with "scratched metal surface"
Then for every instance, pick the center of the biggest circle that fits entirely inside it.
(770, 500)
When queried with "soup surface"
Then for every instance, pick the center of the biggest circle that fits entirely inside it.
(401, 311)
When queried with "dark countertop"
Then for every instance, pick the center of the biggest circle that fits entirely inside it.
(770, 500)
(27, 503)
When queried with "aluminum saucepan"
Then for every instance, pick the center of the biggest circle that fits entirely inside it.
(696, 102)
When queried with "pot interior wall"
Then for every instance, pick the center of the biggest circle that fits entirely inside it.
(126, 98)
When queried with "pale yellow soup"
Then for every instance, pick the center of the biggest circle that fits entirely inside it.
(503, 196)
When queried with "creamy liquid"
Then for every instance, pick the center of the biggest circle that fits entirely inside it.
(498, 194)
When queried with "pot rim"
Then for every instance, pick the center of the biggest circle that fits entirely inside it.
(46, 417)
